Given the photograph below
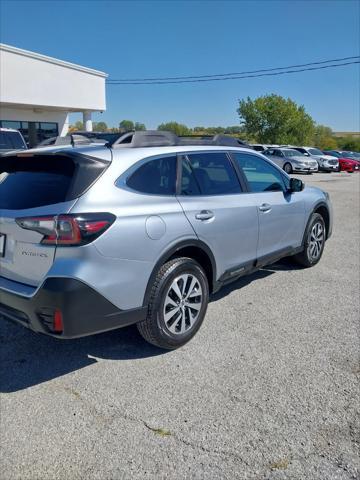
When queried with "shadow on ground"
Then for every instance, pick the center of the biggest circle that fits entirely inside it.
(28, 359)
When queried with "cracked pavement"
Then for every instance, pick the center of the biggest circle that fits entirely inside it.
(268, 388)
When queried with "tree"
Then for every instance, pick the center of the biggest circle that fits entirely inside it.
(77, 126)
(127, 125)
(323, 138)
(177, 128)
(275, 119)
(100, 127)
(139, 127)
(234, 130)
(349, 143)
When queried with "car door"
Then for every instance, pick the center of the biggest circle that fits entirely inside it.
(278, 158)
(220, 212)
(281, 213)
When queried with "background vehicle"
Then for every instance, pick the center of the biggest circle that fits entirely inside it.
(352, 155)
(106, 136)
(70, 139)
(97, 237)
(258, 147)
(11, 139)
(344, 154)
(346, 163)
(291, 160)
(327, 163)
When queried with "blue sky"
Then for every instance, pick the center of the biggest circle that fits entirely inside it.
(175, 38)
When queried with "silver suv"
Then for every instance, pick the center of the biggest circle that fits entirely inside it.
(143, 230)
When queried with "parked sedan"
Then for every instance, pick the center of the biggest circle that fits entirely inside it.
(291, 160)
(326, 162)
(346, 162)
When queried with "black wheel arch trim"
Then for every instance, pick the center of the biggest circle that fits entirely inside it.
(316, 207)
(170, 253)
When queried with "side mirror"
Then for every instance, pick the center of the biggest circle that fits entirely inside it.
(307, 154)
(296, 185)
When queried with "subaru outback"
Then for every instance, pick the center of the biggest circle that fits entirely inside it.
(142, 231)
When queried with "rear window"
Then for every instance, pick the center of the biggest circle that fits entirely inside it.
(33, 189)
(38, 180)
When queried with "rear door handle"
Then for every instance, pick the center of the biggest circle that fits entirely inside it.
(265, 207)
(204, 215)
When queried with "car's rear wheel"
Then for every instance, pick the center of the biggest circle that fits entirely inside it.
(287, 168)
(314, 243)
(178, 304)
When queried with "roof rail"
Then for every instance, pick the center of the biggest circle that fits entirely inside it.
(159, 138)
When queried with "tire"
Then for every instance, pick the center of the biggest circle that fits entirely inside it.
(287, 168)
(314, 243)
(168, 331)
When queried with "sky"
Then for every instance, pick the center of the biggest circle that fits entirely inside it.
(138, 39)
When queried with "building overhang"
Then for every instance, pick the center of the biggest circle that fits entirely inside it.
(32, 80)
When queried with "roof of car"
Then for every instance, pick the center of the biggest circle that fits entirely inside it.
(3, 129)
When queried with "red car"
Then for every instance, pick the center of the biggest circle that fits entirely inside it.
(348, 165)
(345, 164)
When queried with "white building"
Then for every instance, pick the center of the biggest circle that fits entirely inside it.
(37, 93)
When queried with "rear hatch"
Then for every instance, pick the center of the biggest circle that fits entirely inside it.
(36, 185)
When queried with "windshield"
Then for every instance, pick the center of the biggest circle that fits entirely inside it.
(333, 154)
(355, 156)
(315, 151)
(292, 153)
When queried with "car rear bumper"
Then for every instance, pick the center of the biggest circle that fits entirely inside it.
(83, 311)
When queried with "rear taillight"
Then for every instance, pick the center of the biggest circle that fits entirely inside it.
(68, 230)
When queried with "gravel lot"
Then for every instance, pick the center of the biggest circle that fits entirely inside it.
(268, 389)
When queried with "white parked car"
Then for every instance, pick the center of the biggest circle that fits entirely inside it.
(327, 163)
(11, 139)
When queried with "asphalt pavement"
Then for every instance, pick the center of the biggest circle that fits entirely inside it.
(268, 388)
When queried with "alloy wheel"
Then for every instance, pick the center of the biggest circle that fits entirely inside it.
(317, 237)
(183, 302)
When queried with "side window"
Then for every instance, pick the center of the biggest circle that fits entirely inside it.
(156, 177)
(208, 174)
(261, 176)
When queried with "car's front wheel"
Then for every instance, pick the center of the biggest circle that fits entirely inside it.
(178, 304)
(314, 243)
(287, 168)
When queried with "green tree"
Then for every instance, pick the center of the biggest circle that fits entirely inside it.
(275, 119)
(234, 130)
(77, 126)
(349, 143)
(139, 127)
(323, 138)
(177, 128)
(127, 125)
(100, 127)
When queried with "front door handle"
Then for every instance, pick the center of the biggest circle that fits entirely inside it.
(265, 207)
(204, 215)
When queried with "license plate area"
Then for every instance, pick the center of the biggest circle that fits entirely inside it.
(2, 244)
